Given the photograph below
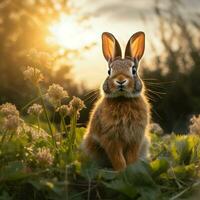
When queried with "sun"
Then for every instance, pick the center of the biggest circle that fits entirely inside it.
(68, 32)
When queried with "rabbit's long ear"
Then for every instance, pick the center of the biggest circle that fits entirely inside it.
(135, 46)
(110, 46)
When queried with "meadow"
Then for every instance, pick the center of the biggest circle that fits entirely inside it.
(50, 67)
(43, 160)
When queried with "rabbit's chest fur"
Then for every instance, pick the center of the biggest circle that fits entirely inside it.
(123, 119)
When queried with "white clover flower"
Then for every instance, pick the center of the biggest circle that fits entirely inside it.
(9, 109)
(194, 127)
(44, 157)
(156, 128)
(35, 109)
(34, 133)
(33, 74)
(65, 110)
(11, 122)
(11, 119)
(77, 104)
(55, 94)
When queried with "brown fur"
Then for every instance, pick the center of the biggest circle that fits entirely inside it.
(119, 126)
(117, 130)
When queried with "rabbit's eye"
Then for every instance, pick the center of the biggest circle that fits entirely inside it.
(134, 70)
(109, 72)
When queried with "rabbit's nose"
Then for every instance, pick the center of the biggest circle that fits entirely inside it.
(121, 82)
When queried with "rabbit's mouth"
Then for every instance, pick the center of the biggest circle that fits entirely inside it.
(123, 92)
(121, 88)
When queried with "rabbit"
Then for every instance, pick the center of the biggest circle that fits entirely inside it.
(117, 131)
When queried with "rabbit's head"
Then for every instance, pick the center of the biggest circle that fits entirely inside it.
(123, 79)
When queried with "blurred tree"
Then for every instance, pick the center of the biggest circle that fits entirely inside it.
(24, 26)
(176, 68)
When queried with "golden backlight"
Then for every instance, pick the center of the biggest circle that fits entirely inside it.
(68, 32)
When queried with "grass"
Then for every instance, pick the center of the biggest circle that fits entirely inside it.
(172, 173)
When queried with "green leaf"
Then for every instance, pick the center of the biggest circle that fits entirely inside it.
(89, 170)
(121, 186)
(13, 171)
(79, 134)
(136, 180)
(5, 196)
(159, 166)
(107, 174)
(50, 186)
(182, 171)
(182, 149)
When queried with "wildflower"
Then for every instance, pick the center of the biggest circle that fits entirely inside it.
(9, 109)
(44, 156)
(194, 127)
(77, 104)
(33, 74)
(59, 137)
(34, 133)
(56, 93)
(35, 109)
(156, 128)
(65, 110)
(11, 122)
(74, 107)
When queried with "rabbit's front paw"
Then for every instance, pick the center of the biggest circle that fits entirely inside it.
(114, 151)
(131, 154)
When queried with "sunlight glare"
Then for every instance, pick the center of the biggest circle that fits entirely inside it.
(69, 33)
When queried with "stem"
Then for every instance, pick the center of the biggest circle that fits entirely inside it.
(38, 121)
(63, 124)
(89, 189)
(73, 129)
(46, 115)
(184, 191)
(3, 137)
(29, 103)
(66, 180)
(54, 113)
(11, 136)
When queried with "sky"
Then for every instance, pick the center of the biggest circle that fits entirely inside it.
(122, 18)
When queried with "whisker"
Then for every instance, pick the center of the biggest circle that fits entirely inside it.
(156, 113)
(154, 93)
(163, 82)
(155, 86)
(91, 96)
(150, 98)
(149, 79)
(157, 92)
(92, 100)
(92, 91)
